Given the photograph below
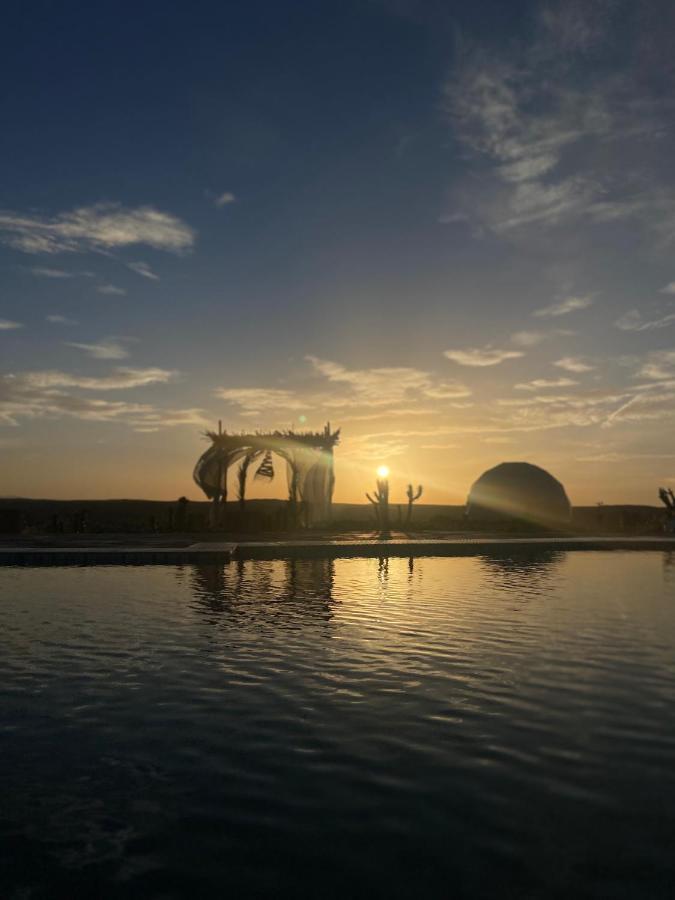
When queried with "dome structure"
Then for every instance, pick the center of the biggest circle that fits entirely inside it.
(518, 491)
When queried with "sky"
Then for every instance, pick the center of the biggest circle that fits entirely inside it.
(447, 228)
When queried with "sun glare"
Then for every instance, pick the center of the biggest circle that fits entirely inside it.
(383, 472)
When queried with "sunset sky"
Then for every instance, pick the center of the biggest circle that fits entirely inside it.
(448, 228)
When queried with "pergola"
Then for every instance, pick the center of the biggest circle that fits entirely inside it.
(309, 467)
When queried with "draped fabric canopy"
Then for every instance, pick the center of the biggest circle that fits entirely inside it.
(309, 465)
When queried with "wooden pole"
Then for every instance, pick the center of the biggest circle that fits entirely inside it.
(217, 496)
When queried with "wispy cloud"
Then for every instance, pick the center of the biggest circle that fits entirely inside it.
(389, 413)
(481, 356)
(528, 338)
(668, 288)
(633, 321)
(60, 320)
(564, 307)
(258, 400)
(541, 140)
(367, 449)
(41, 272)
(660, 365)
(8, 325)
(614, 456)
(102, 227)
(576, 25)
(111, 289)
(49, 394)
(534, 338)
(109, 348)
(121, 379)
(545, 383)
(382, 386)
(573, 364)
(369, 392)
(224, 199)
(143, 269)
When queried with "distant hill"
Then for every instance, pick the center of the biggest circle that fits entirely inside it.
(134, 516)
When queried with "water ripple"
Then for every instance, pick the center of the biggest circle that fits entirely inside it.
(497, 726)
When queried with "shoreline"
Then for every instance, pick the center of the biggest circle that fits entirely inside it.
(216, 552)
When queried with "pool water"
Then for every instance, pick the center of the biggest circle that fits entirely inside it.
(472, 727)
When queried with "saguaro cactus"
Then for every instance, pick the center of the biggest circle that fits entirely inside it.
(668, 499)
(380, 501)
(412, 496)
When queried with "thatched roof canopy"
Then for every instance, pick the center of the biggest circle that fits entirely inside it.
(276, 441)
(308, 454)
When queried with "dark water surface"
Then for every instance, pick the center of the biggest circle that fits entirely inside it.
(483, 727)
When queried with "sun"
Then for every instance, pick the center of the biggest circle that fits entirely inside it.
(383, 472)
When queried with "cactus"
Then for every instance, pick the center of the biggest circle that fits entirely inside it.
(412, 496)
(380, 501)
(668, 499)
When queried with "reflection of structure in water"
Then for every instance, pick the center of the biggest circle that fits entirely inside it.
(528, 572)
(669, 567)
(264, 589)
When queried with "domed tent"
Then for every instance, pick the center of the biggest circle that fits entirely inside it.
(518, 491)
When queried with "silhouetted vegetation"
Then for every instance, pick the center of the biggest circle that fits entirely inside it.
(412, 496)
(272, 517)
(380, 502)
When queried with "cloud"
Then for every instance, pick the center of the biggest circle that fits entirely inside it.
(382, 386)
(481, 356)
(614, 456)
(50, 273)
(224, 199)
(8, 325)
(48, 394)
(102, 227)
(533, 338)
(573, 364)
(528, 338)
(372, 392)
(633, 321)
(121, 379)
(143, 269)
(545, 383)
(60, 320)
(109, 348)
(594, 408)
(256, 400)
(564, 307)
(367, 449)
(110, 289)
(548, 150)
(439, 446)
(644, 406)
(576, 25)
(389, 413)
(490, 102)
(668, 288)
(660, 365)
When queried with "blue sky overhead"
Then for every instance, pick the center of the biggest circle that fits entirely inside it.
(447, 228)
